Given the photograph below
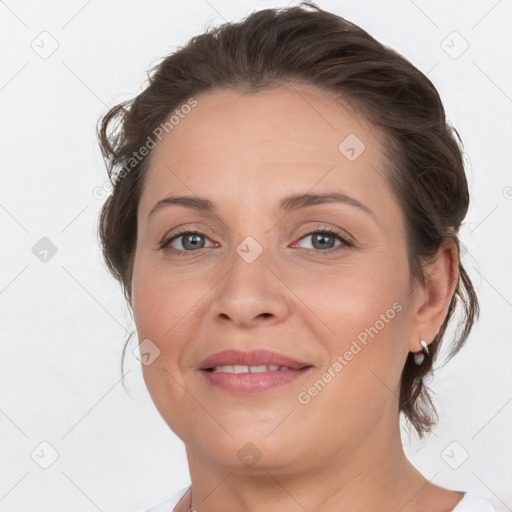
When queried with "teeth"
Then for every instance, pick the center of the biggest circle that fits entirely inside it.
(250, 369)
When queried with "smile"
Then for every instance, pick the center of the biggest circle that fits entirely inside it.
(247, 380)
(249, 369)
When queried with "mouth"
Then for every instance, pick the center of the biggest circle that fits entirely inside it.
(249, 372)
(243, 380)
(238, 369)
(251, 361)
(249, 383)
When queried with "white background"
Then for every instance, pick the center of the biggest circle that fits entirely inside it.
(63, 322)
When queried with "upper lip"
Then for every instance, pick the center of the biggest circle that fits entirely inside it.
(257, 357)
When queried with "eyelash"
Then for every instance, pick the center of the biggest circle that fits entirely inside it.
(324, 230)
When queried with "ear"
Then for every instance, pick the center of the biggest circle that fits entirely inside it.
(432, 300)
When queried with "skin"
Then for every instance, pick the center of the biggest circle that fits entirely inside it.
(342, 450)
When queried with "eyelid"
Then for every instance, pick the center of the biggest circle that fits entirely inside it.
(168, 239)
(345, 239)
(342, 233)
(182, 229)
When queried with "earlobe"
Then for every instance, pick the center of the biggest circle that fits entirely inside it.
(432, 300)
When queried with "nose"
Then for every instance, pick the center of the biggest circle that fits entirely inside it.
(250, 293)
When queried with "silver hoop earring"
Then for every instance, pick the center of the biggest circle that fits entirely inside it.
(420, 356)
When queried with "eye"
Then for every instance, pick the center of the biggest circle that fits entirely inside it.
(324, 238)
(191, 241)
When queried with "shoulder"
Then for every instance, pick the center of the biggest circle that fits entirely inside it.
(469, 503)
(473, 503)
(169, 503)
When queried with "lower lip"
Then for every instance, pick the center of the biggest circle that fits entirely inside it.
(248, 383)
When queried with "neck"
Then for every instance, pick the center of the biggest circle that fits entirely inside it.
(371, 474)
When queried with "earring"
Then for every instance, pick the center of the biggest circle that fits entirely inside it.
(420, 356)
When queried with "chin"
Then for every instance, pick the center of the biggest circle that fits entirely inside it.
(249, 450)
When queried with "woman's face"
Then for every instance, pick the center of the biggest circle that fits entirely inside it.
(260, 275)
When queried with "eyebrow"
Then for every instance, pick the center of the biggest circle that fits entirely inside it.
(289, 203)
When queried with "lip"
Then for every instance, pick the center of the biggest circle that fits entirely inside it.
(256, 357)
(248, 383)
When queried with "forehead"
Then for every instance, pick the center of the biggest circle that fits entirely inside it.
(291, 138)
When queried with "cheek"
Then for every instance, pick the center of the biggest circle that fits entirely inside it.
(368, 316)
(360, 381)
(366, 312)
(160, 299)
(168, 308)
(162, 307)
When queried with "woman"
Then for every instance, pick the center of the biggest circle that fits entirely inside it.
(286, 200)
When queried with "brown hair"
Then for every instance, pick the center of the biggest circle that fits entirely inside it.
(309, 45)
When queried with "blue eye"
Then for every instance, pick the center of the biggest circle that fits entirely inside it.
(189, 237)
(321, 235)
(192, 241)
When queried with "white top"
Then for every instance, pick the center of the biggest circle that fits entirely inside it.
(469, 503)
